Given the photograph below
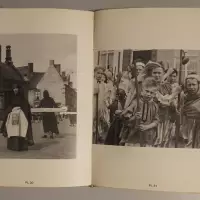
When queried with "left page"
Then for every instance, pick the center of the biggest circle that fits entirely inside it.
(46, 59)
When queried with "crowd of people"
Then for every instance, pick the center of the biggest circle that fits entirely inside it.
(146, 106)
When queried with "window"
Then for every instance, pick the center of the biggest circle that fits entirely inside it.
(192, 66)
(2, 101)
(110, 60)
(106, 59)
(103, 60)
(37, 94)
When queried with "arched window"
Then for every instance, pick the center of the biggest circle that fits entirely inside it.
(106, 59)
(37, 94)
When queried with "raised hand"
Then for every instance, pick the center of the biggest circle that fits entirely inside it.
(143, 127)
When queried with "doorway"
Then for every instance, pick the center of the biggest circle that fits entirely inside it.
(145, 55)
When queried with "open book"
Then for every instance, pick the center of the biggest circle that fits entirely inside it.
(108, 99)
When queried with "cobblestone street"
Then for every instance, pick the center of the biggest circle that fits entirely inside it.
(62, 146)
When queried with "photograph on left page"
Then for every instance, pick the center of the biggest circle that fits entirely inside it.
(38, 96)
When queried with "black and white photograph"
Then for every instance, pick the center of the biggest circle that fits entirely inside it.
(147, 98)
(38, 96)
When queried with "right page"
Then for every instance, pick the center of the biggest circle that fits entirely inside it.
(146, 100)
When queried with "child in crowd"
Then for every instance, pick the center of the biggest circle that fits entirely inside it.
(143, 132)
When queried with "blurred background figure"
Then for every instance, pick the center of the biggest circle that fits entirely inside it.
(49, 119)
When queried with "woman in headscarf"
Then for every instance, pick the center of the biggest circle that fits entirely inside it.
(191, 112)
(18, 100)
(49, 119)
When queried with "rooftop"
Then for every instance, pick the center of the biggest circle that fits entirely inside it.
(10, 72)
(35, 79)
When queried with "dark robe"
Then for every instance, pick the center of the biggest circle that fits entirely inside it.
(16, 143)
(191, 108)
(49, 118)
(114, 132)
(113, 107)
(113, 135)
(191, 120)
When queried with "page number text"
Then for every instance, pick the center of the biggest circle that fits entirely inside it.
(153, 185)
(29, 182)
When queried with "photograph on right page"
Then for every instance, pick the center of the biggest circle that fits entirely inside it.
(147, 98)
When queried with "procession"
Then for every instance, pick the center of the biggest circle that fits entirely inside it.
(149, 103)
(37, 100)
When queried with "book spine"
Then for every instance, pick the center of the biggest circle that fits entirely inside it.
(91, 186)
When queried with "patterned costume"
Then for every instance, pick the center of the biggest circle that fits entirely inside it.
(131, 134)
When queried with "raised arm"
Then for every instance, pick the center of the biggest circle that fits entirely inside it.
(167, 99)
(168, 73)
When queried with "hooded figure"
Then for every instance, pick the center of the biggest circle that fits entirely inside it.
(49, 118)
(18, 100)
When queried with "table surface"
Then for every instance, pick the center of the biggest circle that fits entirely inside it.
(97, 4)
(89, 194)
(83, 192)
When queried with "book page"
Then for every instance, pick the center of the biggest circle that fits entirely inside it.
(46, 55)
(146, 99)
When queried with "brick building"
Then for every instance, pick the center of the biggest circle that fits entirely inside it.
(119, 60)
(9, 75)
(52, 80)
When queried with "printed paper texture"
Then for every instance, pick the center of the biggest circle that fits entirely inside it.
(149, 126)
(149, 99)
(42, 74)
